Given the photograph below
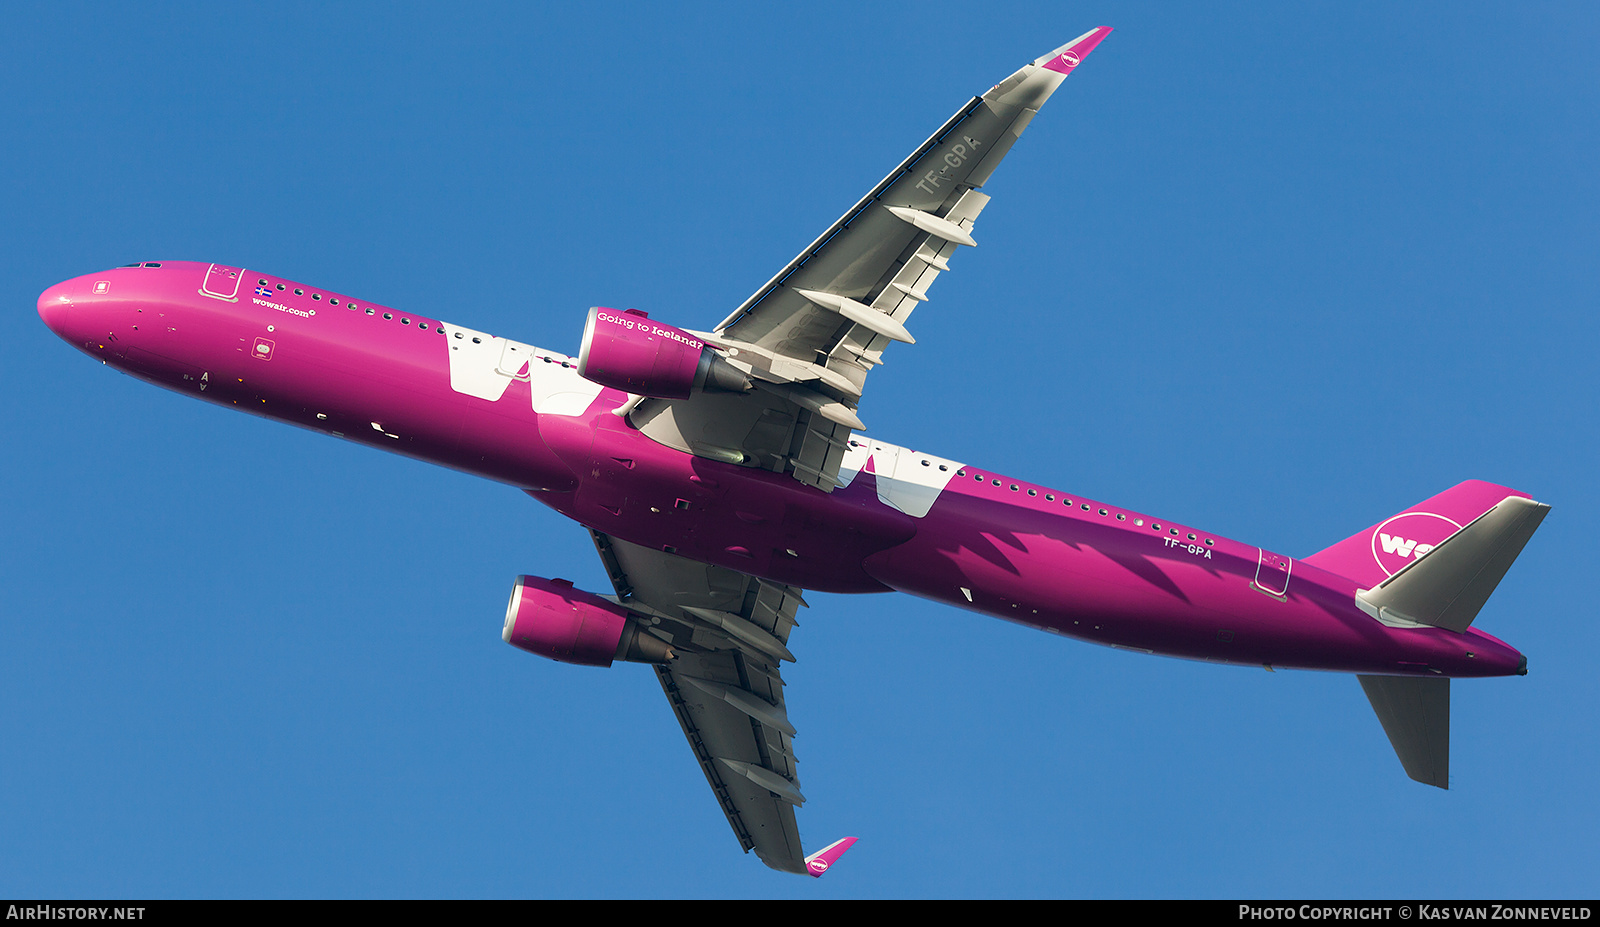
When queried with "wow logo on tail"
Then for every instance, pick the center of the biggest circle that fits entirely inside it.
(1404, 538)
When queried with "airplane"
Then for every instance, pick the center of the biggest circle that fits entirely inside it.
(722, 473)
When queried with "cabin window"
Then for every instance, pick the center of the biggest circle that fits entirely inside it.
(390, 315)
(299, 292)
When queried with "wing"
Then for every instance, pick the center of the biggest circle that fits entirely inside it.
(809, 336)
(730, 632)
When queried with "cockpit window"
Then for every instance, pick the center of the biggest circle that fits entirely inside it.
(152, 263)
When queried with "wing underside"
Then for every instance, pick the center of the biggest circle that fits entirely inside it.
(730, 632)
(806, 339)
(808, 336)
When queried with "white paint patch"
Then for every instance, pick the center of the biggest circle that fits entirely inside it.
(855, 459)
(908, 481)
(482, 365)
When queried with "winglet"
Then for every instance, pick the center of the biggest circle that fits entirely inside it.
(1067, 57)
(818, 862)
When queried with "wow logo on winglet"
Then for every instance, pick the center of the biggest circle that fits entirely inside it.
(1402, 539)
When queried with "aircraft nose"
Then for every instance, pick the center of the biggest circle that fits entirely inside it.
(55, 305)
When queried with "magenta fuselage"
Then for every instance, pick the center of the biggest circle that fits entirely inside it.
(988, 543)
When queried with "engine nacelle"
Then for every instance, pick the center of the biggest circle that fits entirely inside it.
(552, 619)
(625, 350)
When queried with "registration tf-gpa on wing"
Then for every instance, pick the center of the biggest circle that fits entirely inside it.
(722, 473)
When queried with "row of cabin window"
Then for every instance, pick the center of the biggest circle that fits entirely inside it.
(334, 300)
(563, 361)
(1050, 497)
(351, 305)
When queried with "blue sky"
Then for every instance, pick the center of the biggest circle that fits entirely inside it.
(1277, 271)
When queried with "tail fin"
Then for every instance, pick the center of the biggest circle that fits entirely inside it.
(1470, 535)
(1372, 556)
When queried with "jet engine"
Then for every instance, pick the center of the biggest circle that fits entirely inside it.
(625, 350)
(552, 619)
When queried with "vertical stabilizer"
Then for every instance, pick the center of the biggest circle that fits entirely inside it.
(1372, 556)
(1415, 713)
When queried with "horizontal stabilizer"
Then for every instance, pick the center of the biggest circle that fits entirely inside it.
(1415, 713)
(1447, 587)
